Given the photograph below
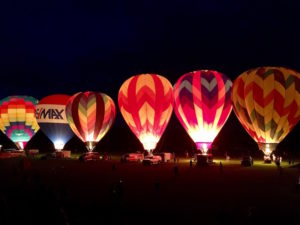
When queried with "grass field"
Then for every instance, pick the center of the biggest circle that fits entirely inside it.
(70, 191)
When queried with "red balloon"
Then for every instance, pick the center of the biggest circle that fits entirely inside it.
(146, 104)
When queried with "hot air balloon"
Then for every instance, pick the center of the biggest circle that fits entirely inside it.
(146, 104)
(17, 116)
(266, 101)
(51, 117)
(90, 116)
(202, 105)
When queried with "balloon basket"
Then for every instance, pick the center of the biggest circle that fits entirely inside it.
(204, 159)
(63, 154)
(267, 160)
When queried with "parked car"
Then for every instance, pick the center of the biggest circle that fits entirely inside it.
(166, 156)
(89, 156)
(132, 157)
(152, 160)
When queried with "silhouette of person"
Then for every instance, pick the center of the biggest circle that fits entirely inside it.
(221, 166)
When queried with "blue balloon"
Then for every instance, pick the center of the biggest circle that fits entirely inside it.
(51, 117)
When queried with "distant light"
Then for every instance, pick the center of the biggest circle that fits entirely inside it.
(59, 145)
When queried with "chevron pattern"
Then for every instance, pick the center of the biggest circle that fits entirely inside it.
(266, 101)
(146, 104)
(202, 103)
(90, 115)
(17, 118)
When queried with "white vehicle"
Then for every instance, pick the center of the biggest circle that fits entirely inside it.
(152, 160)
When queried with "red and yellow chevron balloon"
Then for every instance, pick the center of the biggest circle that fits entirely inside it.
(90, 116)
(266, 101)
(146, 104)
(17, 119)
(202, 105)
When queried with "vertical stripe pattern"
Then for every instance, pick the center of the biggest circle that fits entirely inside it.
(90, 115)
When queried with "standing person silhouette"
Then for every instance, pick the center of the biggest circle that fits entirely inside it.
(221, 167)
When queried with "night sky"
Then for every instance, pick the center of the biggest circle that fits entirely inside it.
(49, 47)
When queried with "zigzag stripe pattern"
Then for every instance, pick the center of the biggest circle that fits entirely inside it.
(203, 103)
(266, 101)
(146, 104)
(17, 116)
(90, 115)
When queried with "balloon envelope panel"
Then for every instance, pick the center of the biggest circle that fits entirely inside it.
(51, 116)
(18, 120)
(266, 101)
(146, 104)
(90, 115)
(203, 104)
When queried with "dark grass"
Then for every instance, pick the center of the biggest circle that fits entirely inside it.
(69, 191)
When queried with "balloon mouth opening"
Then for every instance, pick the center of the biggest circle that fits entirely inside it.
(59, 145)
(90, 145)
(204, 147)
(149, 147)
(149, 141)
(267, 148)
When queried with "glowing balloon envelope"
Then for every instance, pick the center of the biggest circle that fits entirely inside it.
(202, 105)
(18, 120)
(146, 104)
(51, 117)
(90, 116)
(266, 101)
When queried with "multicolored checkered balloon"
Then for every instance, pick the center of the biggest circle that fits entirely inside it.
(17, 119)
(146, 104)
(202, 105)
(266, 101)
(90, 116)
